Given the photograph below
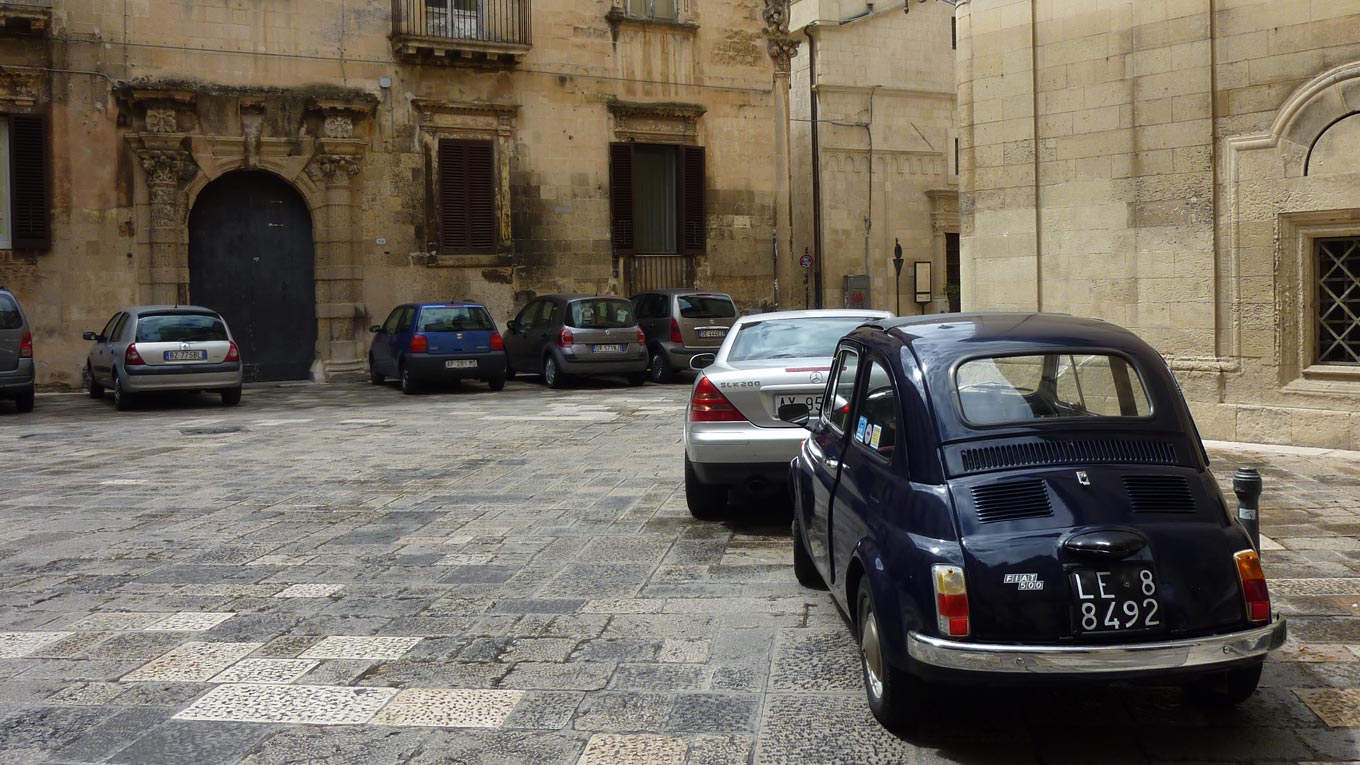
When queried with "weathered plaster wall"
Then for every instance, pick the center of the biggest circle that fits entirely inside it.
(288, 53)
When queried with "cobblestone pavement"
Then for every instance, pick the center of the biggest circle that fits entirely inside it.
(342, 574)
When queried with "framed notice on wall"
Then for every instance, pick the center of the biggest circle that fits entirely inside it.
(921, 270)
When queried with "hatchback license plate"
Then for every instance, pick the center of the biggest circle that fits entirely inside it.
(1120, 598)
(607, 348)
(460, 364)
(812, 401)
(186, 355)
(712, 332)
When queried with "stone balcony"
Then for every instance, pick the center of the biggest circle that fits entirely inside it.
(29, 18)
(493, 33)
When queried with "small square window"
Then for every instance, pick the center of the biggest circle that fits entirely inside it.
(661, 10)
(1338, 300)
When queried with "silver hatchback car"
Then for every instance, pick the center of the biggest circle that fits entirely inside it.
(153, 348)
(733, 435)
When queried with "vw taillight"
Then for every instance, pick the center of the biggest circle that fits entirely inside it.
(233, 353)
(497, 342)
(420, 344)
(708, 404)
(1254, 589)
(675, 333)
(26, 346)
(564, 338)
(951, 601)
(131, 357)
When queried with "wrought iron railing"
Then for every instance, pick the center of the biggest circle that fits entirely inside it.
(655, 272)
(492, 21)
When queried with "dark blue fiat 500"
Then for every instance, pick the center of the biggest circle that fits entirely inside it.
(1010, 496)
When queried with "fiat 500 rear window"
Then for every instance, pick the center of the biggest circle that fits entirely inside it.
(181, 328)
(1016, 389)
(455, 319)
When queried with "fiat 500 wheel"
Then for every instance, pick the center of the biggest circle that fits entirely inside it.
(894, 696)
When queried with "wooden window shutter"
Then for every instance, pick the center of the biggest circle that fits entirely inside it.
(693, 218)
(621, 197)
(467, 196)
(30, 208)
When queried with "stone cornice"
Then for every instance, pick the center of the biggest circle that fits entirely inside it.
(432, 106)
(671, 110)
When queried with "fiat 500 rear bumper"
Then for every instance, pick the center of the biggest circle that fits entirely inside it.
(1192, 653)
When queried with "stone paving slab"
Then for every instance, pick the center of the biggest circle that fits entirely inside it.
(345, 574)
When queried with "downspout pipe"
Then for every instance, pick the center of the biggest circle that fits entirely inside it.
(816, 165)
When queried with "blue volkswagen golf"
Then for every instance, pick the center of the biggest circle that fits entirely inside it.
(1022, 496)
(437, 342)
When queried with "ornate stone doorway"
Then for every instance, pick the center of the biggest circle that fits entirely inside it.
(251, 258)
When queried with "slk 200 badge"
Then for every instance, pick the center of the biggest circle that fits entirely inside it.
(1024, 581)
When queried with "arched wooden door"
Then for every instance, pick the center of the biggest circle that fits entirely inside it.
(251, 258)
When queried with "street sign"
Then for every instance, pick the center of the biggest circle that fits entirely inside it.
(805, 261)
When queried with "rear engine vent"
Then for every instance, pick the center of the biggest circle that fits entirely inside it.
(1011, 501)
(1067, 453)
(1159, 494)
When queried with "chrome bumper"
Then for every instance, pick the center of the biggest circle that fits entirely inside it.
(1093, 659)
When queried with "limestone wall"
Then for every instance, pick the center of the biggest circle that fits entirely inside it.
(1147, 163)
(890, 74)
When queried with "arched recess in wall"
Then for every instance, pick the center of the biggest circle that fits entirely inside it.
(1336, 150)
(1285, 191)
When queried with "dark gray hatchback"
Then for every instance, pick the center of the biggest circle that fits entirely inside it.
(559, 336)
(17, 374)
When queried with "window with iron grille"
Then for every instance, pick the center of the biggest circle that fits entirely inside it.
(1338, 301)
(467, 196)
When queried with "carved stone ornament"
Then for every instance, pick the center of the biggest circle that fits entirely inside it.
(782, 50)
(165, 206)
(338, 126)
(161, 121)
(166, 167)
(776, 16)
(327, 166)
(18, 88)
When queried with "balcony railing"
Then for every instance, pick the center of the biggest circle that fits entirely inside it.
(472, 31)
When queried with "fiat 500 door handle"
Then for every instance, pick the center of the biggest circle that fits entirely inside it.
(832, 464)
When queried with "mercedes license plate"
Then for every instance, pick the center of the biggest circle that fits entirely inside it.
(460, 364)
(1115, 598)
(186, 355)
(712, 332)
(813, 401)
(613, 348)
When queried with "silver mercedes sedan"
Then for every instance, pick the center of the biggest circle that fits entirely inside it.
(732, 434)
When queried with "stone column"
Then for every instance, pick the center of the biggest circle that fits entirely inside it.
(782, 48)
(337, 275)
(167, 168)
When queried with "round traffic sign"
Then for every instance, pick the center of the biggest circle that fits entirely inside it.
(805, 261)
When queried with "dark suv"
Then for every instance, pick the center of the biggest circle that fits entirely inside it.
(16, 353)
(680, 324)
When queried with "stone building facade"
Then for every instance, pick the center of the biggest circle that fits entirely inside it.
(884, 138)
(1187, 169)
(409, 150)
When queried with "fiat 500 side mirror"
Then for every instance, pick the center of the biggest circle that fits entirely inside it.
(375, 329)
(514, 326)
(798, 414)
(91, 336)
(702, 361)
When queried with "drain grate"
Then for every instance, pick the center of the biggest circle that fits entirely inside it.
(213, 431)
